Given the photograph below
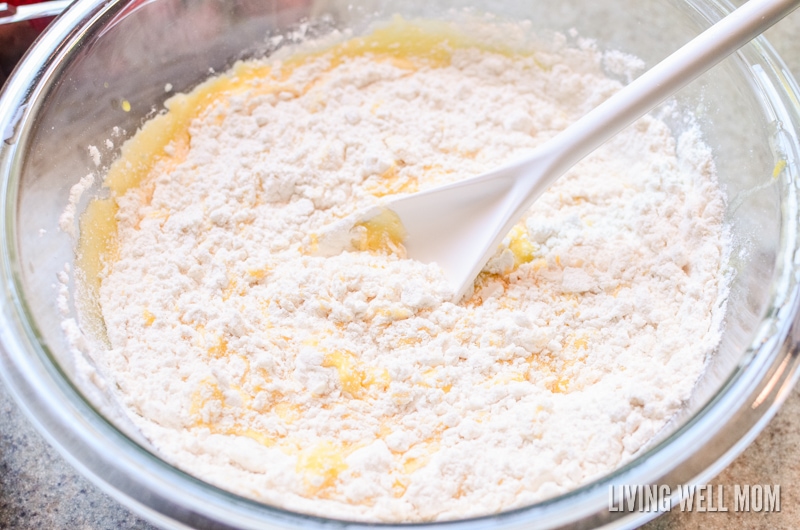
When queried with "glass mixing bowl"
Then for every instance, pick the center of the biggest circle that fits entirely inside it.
(105, 63)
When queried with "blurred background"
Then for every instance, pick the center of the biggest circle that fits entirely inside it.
(39, 490)
(17, 37)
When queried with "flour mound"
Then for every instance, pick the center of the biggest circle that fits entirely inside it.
(350, 386)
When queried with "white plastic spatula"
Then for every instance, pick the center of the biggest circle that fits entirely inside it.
(460, 225)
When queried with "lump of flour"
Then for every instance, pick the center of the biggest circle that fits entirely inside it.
(351, 386)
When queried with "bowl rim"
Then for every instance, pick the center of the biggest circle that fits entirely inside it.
(169, 497)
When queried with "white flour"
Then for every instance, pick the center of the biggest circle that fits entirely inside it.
(350, 386)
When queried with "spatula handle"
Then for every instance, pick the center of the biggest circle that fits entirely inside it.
(664, 79)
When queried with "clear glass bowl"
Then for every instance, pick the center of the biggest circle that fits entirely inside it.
(67, 94)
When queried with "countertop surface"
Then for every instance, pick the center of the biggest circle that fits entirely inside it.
(38, 489)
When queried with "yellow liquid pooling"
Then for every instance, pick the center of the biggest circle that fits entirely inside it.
(383, 233)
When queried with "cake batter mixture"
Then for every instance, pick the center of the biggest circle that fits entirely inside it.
(354, 386)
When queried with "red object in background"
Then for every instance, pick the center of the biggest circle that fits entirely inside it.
(38, 24)
(16, 38)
